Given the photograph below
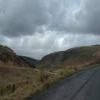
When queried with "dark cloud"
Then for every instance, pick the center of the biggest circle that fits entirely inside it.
(22, 16)
(25, 17)
(88, 18)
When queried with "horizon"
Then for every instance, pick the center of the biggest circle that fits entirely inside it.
(51, 52)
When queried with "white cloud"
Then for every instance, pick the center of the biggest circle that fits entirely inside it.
(38, 45)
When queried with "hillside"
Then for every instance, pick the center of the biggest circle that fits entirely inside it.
(79, 56)
(9, 57)
(22, 76)
(30, 61)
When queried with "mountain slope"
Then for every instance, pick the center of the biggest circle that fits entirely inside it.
(9, 58)
(30, 61)
(72, 57)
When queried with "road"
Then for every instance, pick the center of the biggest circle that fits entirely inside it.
(84, 85)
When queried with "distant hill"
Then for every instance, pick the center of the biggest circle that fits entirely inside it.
(80, 56)
(30, 61)
(9, 58)
(73, 57)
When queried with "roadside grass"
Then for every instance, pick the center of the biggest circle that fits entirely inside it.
(19, 83)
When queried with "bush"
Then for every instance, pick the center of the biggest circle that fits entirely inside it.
(10, 88)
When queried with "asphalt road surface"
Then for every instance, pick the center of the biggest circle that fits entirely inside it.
(81, 86)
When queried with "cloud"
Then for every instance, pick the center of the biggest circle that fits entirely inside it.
(88, 17)
(37, 27)
(37, 47)
(21, 17)
(26, 17)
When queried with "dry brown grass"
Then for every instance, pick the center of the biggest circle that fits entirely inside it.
(19, 83)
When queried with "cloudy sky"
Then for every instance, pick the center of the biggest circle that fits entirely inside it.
(35, 28)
